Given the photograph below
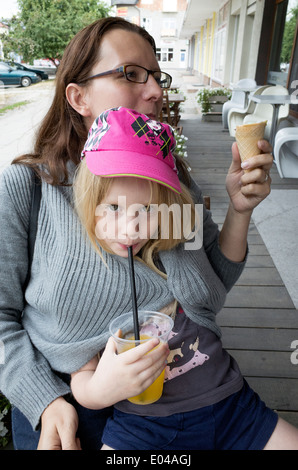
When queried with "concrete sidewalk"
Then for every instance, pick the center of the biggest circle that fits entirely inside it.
(18, 126)
(276, 219)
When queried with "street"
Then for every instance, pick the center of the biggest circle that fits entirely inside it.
(18, 126)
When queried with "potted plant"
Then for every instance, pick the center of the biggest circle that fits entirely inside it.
(5, 421)
(181, 147)
(211, 100)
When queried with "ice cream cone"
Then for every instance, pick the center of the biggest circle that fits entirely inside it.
(247, 137)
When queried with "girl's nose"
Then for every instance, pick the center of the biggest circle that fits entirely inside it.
(136, 227)
(129, 228)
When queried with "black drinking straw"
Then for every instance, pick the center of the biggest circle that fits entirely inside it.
(133, 294)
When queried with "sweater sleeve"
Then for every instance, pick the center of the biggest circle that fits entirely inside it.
(26, 378)
(228, 271)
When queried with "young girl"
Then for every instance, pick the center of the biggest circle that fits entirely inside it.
(206, 404)
(122, 189)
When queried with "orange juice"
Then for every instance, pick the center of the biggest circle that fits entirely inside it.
(151, 325)
(154, 391)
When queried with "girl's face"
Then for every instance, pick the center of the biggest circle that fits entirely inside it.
(125, 217)
(120, 47)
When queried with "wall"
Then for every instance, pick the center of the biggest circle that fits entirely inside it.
(226, 48)
(163, 20)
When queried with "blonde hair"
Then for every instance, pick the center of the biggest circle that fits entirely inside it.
(90, 190)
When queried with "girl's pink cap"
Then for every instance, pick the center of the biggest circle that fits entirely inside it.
(123, 142)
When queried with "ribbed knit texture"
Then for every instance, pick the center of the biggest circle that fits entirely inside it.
(72, 297)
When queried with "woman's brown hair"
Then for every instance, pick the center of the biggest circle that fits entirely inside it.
(63, 133)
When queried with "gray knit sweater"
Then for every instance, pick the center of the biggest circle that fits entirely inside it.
(72, 297)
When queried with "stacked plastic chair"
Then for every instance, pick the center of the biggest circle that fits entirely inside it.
(264, 112)
(286, 152)
(238, 99)
(236, 116)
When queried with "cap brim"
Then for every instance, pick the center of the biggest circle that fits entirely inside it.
(110, 164)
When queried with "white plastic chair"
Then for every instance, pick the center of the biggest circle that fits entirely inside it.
(236, 116)
(238, 98)
(264, 112)
(286, 152)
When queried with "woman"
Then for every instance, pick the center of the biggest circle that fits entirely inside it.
(28, 379)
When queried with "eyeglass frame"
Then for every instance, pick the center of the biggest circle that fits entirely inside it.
(122, 69)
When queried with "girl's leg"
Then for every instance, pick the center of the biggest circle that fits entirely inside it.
(284, 437)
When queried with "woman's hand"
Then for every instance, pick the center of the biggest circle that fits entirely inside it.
(119, 376)
(59, 424)
(247, 190)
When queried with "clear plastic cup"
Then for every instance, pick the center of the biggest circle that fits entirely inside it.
(151, 325)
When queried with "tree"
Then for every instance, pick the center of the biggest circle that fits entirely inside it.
(288, 38)
(43, 28)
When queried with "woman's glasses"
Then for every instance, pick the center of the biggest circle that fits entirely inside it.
(137, 74)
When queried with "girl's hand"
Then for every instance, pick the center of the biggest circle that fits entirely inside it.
(247, 190)
(59, 423)
(120, 376)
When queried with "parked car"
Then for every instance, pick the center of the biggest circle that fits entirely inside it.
(43, 75)
(12, 76)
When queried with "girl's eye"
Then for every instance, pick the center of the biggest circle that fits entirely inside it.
(113, 207)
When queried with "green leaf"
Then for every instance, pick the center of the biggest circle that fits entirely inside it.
(43, 28)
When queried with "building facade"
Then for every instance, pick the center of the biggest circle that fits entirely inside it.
(163, 20)
(235, 39)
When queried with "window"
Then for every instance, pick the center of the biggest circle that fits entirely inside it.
(165, 54)
(147, 24)
(282, 41)
(293, 77)
(169, 5)
(169, 27)
(218, 55)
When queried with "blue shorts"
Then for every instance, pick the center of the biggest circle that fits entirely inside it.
(240, 422)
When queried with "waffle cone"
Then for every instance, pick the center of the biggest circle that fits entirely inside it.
(247, 137)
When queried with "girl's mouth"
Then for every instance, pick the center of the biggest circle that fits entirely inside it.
(125, 247)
